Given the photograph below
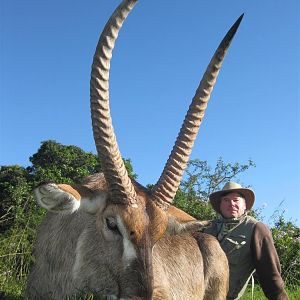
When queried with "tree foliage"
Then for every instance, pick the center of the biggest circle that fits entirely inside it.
(54, 161)
(15, 186)
(201, 180)
(286, 237)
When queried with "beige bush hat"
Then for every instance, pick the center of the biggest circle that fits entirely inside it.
(248, 194)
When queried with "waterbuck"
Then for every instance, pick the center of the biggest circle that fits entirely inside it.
(110, 235)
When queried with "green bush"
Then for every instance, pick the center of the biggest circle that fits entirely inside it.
(286, 237)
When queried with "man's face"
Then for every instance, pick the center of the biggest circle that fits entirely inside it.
(232, 205)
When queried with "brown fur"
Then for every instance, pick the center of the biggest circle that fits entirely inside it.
(76, 252)
(69, 189)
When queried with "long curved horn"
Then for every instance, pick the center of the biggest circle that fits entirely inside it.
(165, 189)
(120, 185)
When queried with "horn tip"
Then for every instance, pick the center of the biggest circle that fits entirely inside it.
(237, 23)
(239, 20)
(231, 33)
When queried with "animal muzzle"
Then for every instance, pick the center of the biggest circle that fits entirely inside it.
(138, 280)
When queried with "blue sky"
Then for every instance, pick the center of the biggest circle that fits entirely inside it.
(46, 51)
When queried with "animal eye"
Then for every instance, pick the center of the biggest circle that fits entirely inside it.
(112, 225)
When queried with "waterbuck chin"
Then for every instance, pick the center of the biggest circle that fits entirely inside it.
(110, 235)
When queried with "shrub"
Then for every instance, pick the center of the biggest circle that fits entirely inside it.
(286, 237)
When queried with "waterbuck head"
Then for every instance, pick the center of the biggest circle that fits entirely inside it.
(130, 219)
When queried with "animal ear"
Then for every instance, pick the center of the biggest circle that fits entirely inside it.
(176, 226)
(181, 222)
(57, 198)
(63, 198)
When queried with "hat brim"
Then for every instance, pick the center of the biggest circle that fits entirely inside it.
(248, 194)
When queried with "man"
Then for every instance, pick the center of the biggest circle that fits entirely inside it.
(247, 243)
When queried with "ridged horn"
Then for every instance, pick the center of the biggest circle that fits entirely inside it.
(165, 189)
(119, 183)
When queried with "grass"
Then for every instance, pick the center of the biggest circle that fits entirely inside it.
(292, 291)
(13, 291)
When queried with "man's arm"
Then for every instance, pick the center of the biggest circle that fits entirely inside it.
(267, 263)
